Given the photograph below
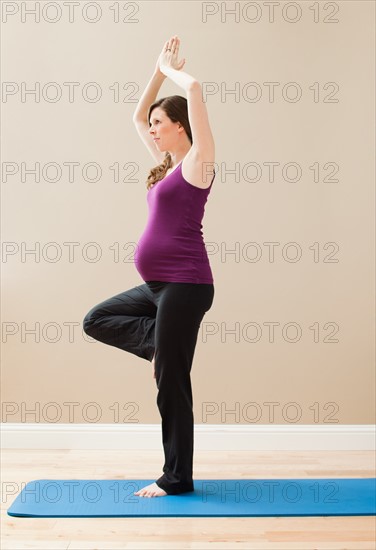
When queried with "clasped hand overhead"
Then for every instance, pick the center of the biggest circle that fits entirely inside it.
(168, 58)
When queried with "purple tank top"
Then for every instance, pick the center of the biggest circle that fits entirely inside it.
(172, 247)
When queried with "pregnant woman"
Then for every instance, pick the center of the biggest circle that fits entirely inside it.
(160, 319)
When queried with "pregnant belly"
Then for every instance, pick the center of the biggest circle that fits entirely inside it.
(156, 256)
(156, 253)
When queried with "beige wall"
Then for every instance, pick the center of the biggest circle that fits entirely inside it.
(327, 293)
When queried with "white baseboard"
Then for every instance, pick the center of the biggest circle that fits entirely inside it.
(229, 437)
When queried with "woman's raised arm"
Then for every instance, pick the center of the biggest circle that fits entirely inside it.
(148, 97)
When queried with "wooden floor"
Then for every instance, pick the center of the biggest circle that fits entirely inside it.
(282, 533)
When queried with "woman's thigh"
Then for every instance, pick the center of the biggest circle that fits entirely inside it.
(136, 301)
(181, 309)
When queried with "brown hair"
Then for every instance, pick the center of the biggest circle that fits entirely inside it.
(176, 108)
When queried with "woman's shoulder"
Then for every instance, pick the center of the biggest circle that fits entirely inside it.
(198, 170)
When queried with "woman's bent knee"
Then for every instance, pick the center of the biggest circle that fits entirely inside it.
(87, 323)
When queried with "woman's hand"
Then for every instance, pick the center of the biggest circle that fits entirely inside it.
(169, 55)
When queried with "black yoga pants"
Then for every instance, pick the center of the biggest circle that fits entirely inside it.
(161, 318)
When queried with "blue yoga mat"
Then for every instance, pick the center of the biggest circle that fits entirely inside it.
(211, 497)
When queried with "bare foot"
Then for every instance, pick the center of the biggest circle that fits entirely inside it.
(151, 490)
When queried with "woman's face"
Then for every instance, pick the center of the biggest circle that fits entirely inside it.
(163, 130)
